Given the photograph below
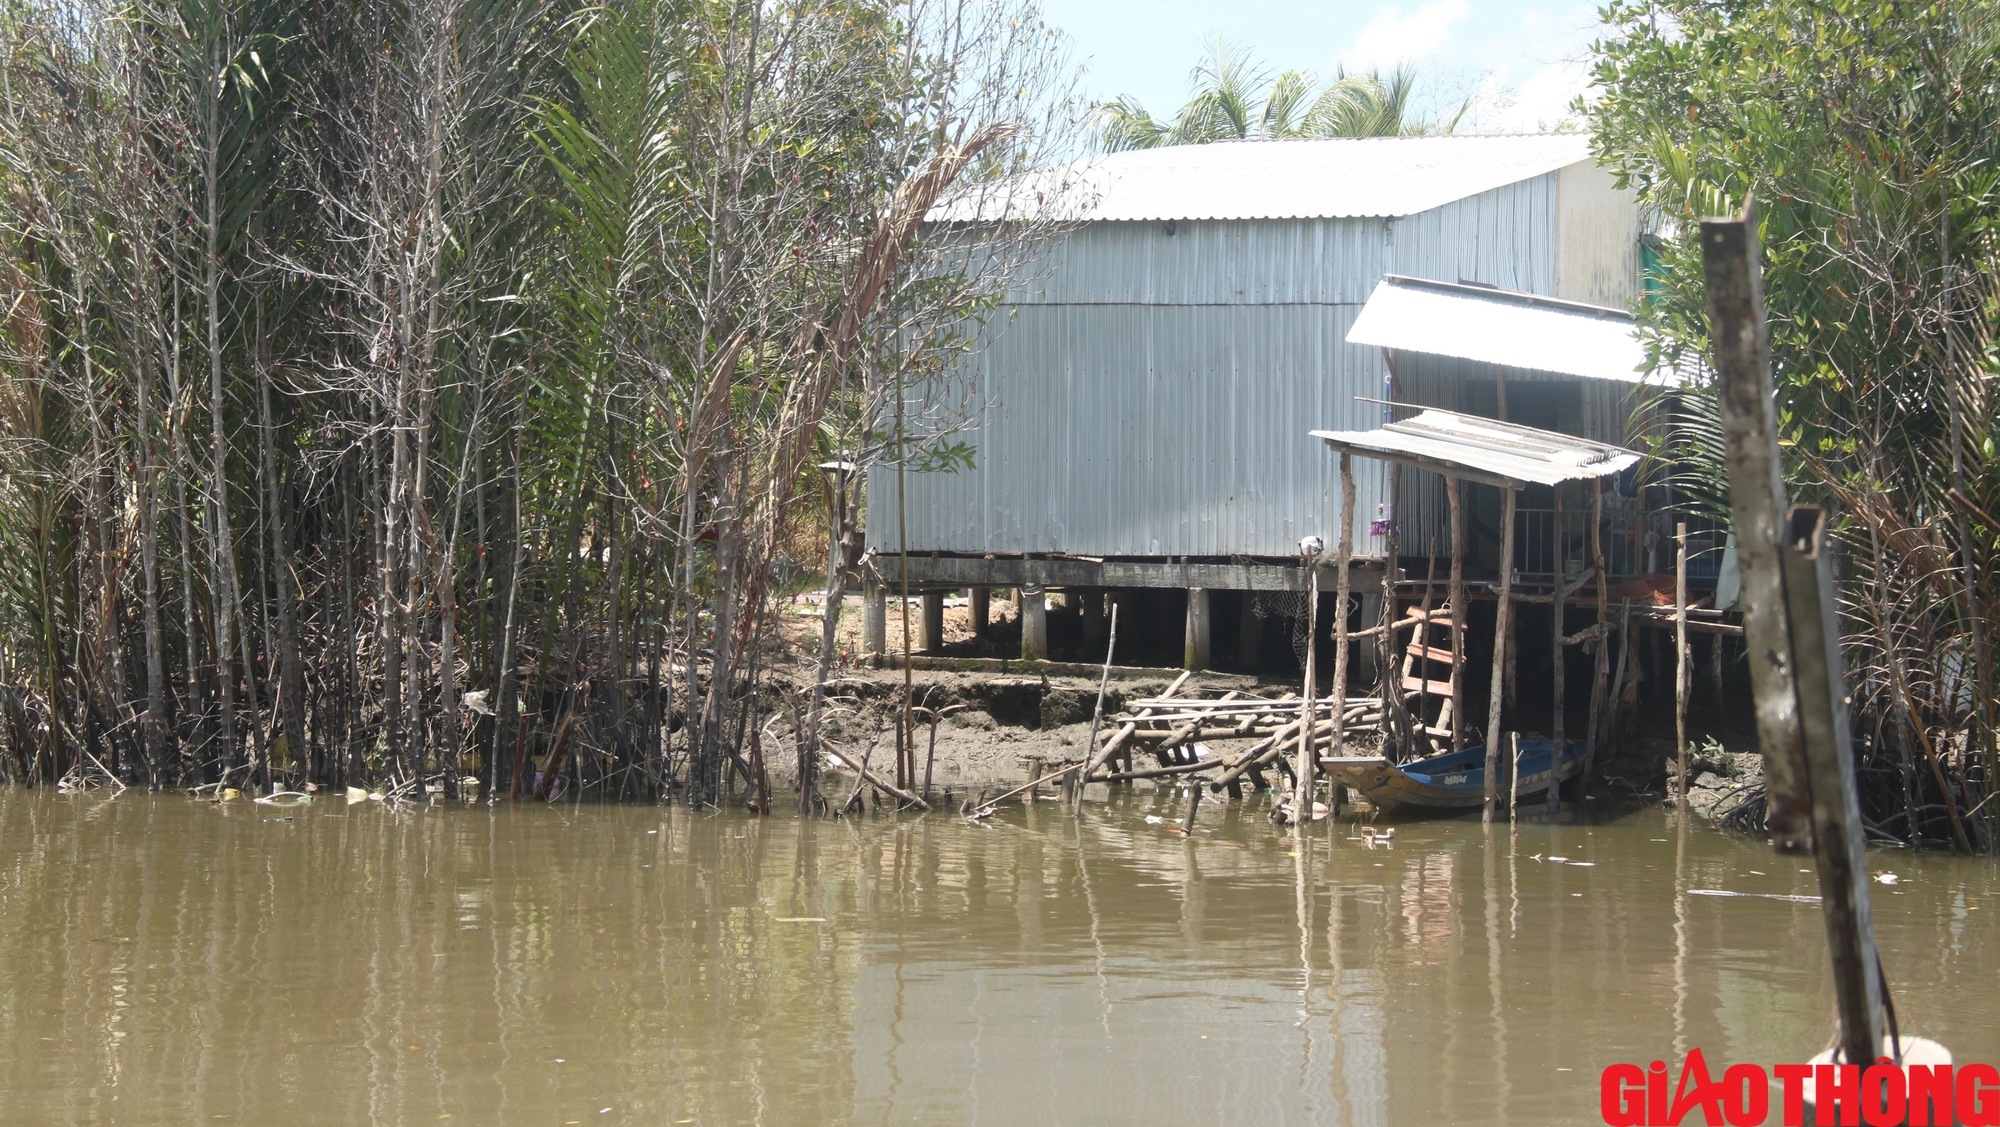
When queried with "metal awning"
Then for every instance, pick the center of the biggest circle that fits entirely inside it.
(1507, 327)
(1485, 450)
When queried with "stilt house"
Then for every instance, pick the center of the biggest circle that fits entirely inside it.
(1144, 411)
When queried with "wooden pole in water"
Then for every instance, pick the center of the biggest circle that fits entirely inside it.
(1681, 653)
(1792, 636)
(1602, 666)
(1096, 719)
(1513, 773)
(1454, 491)
(1342, 587)
(1303, 780)
(1496, 694)
(1422, 637)
(1558, 656)
(1757, 505)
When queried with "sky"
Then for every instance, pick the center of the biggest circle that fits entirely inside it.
(1522, 58)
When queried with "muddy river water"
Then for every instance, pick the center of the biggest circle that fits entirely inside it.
(168, 960)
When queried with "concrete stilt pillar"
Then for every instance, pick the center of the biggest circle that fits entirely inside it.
(1093, 617)
(1249, 634)
(1034, 624)
(933, 622)
(1198, 650)
(875, 619)
(981, 609)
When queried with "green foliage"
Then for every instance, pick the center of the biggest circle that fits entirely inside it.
(1236, 99)
(364, 359)
(1868, 135)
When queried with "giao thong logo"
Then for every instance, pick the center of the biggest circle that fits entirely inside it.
(1841, 1095)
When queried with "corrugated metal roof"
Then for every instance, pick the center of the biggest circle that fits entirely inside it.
(1294, 179)
(1519, 330)
(1484, 449)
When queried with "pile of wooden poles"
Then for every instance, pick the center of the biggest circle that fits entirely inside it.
(1172, 727)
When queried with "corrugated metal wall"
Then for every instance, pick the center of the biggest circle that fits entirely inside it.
(1597, 409)
(1152, 396)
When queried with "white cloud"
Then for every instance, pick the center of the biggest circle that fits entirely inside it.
(1543, 99)
(1392, 37)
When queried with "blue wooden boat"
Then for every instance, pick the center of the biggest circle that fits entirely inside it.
(1456, 781)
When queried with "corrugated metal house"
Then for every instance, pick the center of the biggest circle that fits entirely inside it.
(1148, 403)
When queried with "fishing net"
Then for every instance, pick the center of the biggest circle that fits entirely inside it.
(1288, 605)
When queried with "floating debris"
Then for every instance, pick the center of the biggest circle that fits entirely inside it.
(1754, 895)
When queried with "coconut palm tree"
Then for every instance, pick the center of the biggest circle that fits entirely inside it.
(1235, 99)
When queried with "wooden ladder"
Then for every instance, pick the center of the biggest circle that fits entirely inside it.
(1418, 687)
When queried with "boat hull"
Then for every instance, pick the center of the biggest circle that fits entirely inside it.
(1448, 782)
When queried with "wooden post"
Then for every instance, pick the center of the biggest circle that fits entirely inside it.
(1822, 722)
(1513, 773)
(1557, 649)
(1303, 778)
(1601, 668)
(1034, 624)
(933, 639)
(1096, 719)
(875, 619)
(1343, 587)
(981, 610)
(1496, 693)
(1616, 695)
(1454, 490)
(1681, 653)
(1423, 641)
(1093, 615)
(1715, 669)
(1197, 650)
(1742, 347)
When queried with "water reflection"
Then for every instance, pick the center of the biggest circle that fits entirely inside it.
(171, 961)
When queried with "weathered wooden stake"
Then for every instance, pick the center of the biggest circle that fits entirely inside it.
(1792, 636)
(1513, 774)
(1681, 653)
(1454, 490)
(981, 610)
(1838, 846)
(1557, 649)
(1497, 692)
(1096, 719)
(1343, 587)
(1601, 668)
(1422, 636)
(1715, 668)
(1302, 778)
(1616, 699)
(1757, 504)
